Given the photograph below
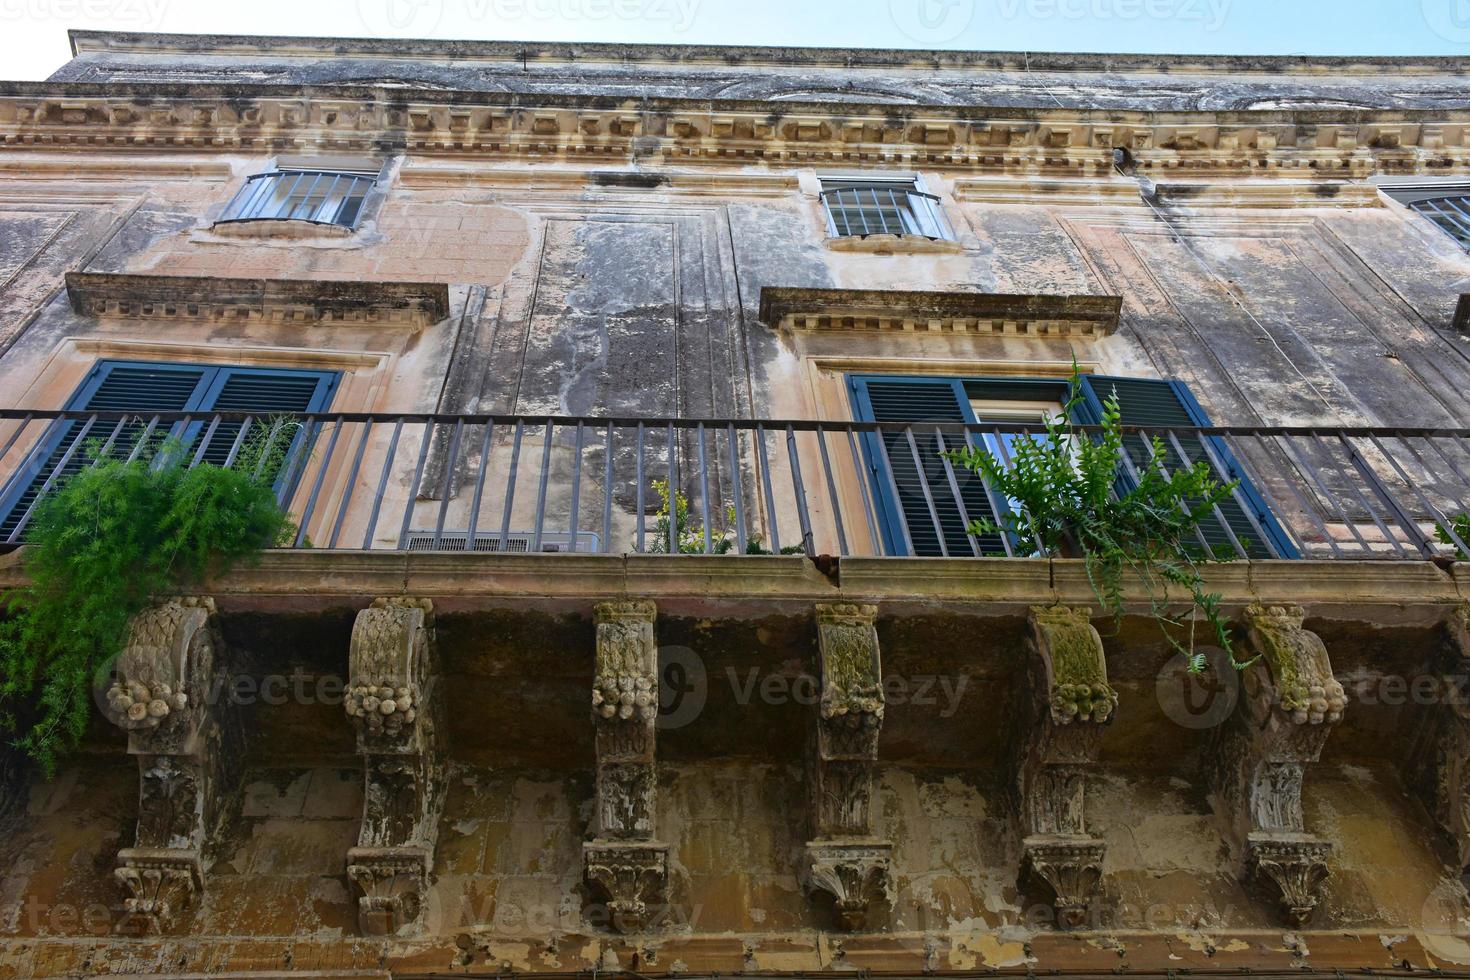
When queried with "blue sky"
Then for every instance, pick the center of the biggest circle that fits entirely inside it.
(33, 41)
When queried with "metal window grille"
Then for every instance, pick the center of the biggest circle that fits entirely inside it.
(1452, 213)
(322, 197)
(883, 208)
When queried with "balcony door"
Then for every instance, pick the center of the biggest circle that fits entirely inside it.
(140, 389)
(925, 506)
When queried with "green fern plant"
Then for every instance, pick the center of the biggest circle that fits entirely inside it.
(1062, 486)
(110, 540)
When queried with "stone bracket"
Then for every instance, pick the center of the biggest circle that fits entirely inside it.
(856, 873)
(624, 864)
(1290, 703)
(394, 702)
(187, 749)
(1071, 705)
(1439, 763)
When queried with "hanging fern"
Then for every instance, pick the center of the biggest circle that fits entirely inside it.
(99, 549)
(1062, 486)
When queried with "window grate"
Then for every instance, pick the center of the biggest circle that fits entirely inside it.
(856, 210)
(1451, 213)
(320, 197)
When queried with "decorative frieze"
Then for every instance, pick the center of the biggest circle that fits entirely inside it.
(624, 864)
(844, 857)
(159, 116)
(281, 301)
(915, 311)
(1060, 737)
(187, 749)
(395, 704)
(1289, 704)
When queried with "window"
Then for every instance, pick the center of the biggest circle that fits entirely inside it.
(1446, 205)
(882, 205)
(925, 506)
(140, 389)
(290, 193)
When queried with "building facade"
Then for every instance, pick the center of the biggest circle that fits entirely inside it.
(495, 712)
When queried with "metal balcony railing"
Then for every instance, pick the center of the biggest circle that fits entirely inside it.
(535, 484)
(884, 209)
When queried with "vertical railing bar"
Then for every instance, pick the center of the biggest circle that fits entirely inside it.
(1401, 517)
(327, 194)
(1245, 508)
(444, 491)
(204, 442)
(51, 480)
(254, 201)
(798, 486)
(1163, 469)
(954, 488)
(766, 484)
(1449, 461)
(111, 440)
(346, 504)
(641, 505)
(896, 211)
(1434, 511)
(1320, 487)
(832, 492)
(908, 432)
(372, 525)
(903, 517)
(991, 496)
(737, 490)
(510, 484)
(413, 490)
(1005, 460)
(867, 496)
(1373, 514)
(673, 475)
(576, 486)
(305, 205)
(296, 464)
(858, 200)
(321, 476)
(472, 533)
(25, 423)
(286, 204)
(270, 445)
(607, 491)
(1309, 508)
(704, 501)
(239, 442)
(536, 532)
(143, 439)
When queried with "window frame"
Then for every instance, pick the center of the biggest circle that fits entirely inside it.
(919, 207)
(1454, 222)
(250, 200)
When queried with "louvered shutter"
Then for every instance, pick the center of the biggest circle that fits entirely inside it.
(144, 388)
(111, 387)
(919, 400)
(1150, 402)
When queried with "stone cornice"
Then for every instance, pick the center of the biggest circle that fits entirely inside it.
(1318, 144)
(307, 301)
(800, 309)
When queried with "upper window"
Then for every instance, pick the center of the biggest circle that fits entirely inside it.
(859, 206)
(302, 193)
(1447, 205)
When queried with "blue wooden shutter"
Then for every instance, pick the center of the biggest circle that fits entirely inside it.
(1150, 402)
(900, 399)
(145, 388)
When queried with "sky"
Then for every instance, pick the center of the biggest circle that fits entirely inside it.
(33, 39)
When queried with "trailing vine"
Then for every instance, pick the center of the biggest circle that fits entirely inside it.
(1064, 498)
(99, 549)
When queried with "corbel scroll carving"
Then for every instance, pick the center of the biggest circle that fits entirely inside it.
(624, 864)
(396, 706)
(845, 858)
(187, 749)
(1072, 703)
(1440, 759)
(1290, 703)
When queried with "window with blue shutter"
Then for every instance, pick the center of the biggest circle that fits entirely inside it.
(910, 507)
(142, 389)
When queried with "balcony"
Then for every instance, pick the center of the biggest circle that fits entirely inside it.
(750, 488)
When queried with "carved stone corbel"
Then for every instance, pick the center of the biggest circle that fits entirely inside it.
(395, 704)
(1290, 703)
(844, 857)
(624, 864)
(1071, 704)
(1440, 760)
(187, 749)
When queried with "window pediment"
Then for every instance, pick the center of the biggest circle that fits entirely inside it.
(789, 308)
